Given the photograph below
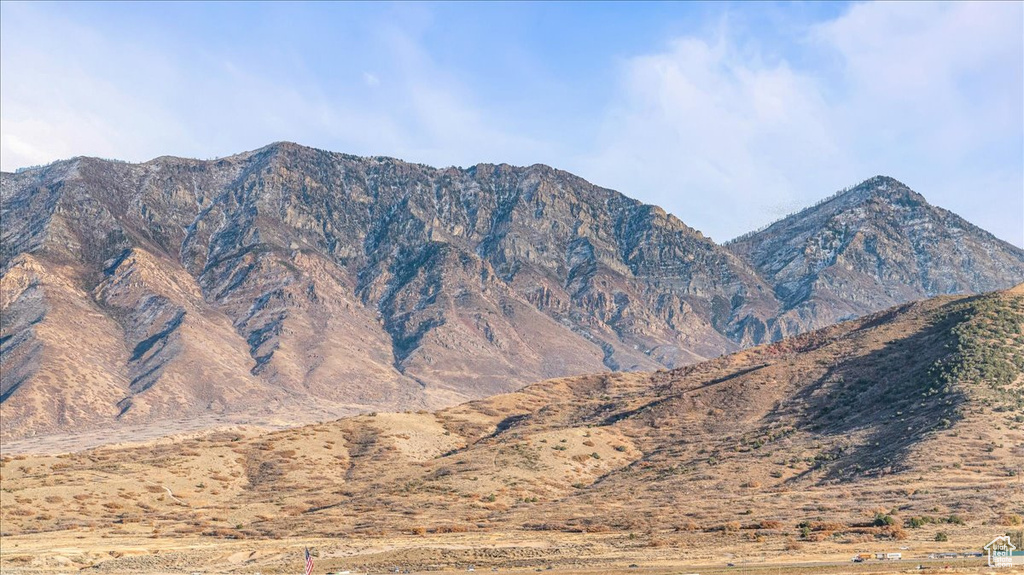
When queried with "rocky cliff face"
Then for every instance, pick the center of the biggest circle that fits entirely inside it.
(290, 277)
(872, 246)
(290, 272)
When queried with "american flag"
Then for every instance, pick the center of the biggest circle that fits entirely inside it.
(309, 562)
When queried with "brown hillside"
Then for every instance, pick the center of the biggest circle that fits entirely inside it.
(874, 433)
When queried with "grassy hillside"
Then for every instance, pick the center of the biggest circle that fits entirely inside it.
(905, 427)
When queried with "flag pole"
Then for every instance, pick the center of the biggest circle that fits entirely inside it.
(309, 563)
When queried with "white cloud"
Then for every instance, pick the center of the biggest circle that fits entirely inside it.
(706, 132)
(721, 129)
(935, 96)
(71, 90)
(952, 69)
(728, 136)
(442, 121)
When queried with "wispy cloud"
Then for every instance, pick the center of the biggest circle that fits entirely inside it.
(728, 135)
(75, 91)
(724, 122)
(702, 121)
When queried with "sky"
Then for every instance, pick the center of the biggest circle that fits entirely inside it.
(728, 115)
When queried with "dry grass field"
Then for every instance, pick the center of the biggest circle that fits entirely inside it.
(899, 432)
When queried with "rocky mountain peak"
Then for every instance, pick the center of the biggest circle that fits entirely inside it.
(873, 245)
(880, 188)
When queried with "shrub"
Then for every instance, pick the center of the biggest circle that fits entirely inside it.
(917, 522)
(940, 536)
(451, 529)
(897, 532)
(884, 519)
(731, 527)
(688, 526)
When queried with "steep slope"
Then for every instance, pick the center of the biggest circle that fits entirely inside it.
(368, 282)
(67, 372)
(334, 283)
(872, 246)
(912, 413)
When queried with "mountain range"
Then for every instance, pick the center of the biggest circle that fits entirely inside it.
(297, 283)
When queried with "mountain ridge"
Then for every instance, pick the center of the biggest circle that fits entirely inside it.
(357, 283)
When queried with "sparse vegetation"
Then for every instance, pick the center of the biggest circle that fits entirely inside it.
(766, 481)
(884, 519)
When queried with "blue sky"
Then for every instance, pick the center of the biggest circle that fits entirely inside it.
(727, 115)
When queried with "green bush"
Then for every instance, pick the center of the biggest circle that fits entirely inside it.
(882, 520)
(916, 522)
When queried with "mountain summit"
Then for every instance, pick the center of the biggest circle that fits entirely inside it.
(293, 283)
(869, 247)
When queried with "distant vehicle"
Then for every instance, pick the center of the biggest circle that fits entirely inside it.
(894, 556)
(857, 559)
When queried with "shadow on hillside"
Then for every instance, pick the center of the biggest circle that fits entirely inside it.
(885, 402)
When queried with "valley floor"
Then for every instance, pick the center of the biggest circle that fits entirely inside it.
(78, 550)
